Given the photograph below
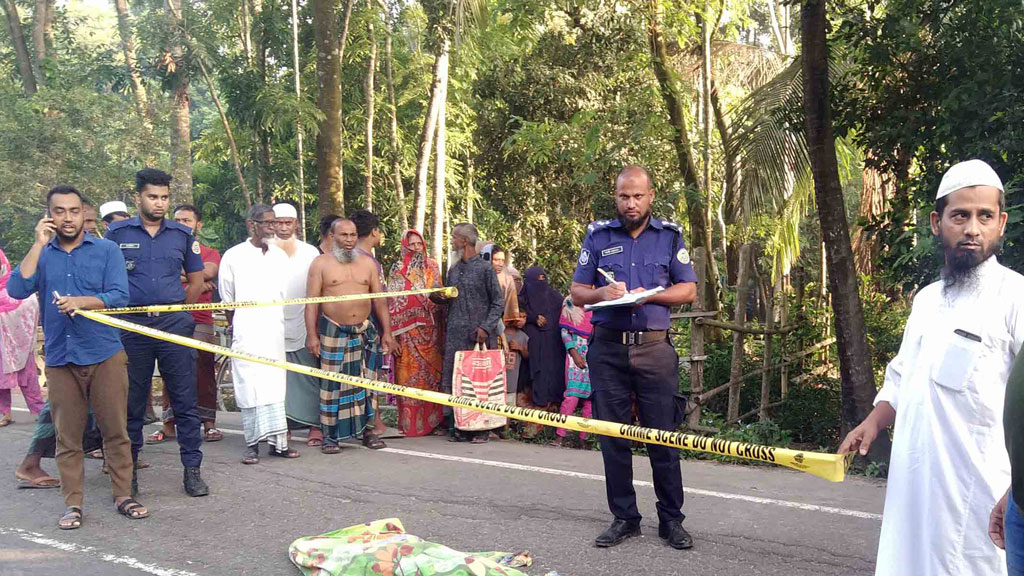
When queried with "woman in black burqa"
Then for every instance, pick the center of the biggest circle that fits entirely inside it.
(543, 306)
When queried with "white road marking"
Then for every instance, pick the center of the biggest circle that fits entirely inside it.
(41, 539)
(641, 483)
(598, 477)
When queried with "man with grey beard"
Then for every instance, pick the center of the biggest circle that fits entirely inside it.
(335, 332)
(944, 392)
(254, 271)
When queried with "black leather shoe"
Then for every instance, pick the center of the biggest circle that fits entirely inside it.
(194, 485)
(675, 535)
(617, 533)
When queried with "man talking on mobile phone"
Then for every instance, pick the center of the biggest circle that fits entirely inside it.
(86, 366)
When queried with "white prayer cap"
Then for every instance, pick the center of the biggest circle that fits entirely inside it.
(108, 208)
(285, 211)
(967, 174)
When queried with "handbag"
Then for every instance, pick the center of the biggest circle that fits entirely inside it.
(480, 374)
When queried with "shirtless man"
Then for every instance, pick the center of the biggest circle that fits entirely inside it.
(337, 333)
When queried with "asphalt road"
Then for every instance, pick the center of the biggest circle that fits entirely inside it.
(499, 496)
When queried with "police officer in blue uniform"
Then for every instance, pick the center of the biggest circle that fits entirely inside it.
(156, 251)
(630, 356)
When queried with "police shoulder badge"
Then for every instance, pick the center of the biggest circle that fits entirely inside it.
(195, 246)
(683, 256)
(584, 257)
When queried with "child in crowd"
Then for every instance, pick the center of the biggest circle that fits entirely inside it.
(576, 329)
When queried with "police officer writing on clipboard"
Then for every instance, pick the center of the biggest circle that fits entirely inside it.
(156, 250)
(630, 354)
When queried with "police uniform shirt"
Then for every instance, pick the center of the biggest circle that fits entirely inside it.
(154, 263)
(657, 257)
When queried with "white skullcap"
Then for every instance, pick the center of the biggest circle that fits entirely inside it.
(285, 211)
(967, 174)
(108, 208)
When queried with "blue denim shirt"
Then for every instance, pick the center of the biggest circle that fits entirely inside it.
(657, 257)
(93, 268)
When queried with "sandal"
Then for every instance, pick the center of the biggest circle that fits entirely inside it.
(95, 454)
(212, 435)
(252, 455)
(481, 438)
(372, 441)
(6, 421)
(317, 440)
(72, 518)
(288, 453)
(159, 437)
(39, 483)
(141, 464)
(330, 449)
(130, 509)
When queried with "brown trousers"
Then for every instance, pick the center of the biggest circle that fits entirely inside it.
(104, 388)
(206, 381)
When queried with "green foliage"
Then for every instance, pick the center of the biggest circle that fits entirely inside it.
(76, 135)
(557, 120)
(811, 414)
(932, 83)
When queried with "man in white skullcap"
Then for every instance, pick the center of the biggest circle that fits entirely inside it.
(302, 402)
(113, 211)
(944, 393)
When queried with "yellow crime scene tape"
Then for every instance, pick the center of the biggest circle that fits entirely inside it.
(831, 467)
(448, 292)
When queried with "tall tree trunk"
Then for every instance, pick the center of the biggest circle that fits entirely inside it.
(298, 121)
(739, 317)
(371, 68)
(131, 62)
(328, 139)
(341, 61)
(227, 130)
(440, 177)
(260, 48)
(39, 38)
(21, 55)
(470, 188)
(707, 29)
(396, 158)
(247, 32)
(181, 139)
(699, 231)
(427, 138)
(858, 386)
(876, 190)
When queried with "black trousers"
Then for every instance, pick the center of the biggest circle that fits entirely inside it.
(649, 373)
(178, 370)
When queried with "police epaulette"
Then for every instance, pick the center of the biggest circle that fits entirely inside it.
(672, 226)
(596, 224)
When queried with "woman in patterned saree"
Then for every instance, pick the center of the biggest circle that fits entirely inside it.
(416, 325)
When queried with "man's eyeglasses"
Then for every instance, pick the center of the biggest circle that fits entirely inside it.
(263, 222)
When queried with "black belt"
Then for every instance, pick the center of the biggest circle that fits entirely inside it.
(629, 338)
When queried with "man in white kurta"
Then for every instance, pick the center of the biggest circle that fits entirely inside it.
(302, 401)
(252, 271)
(944, 393)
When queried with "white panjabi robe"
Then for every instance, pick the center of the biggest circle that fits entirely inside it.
(247, 273)
(949, 464)
(295, 316)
